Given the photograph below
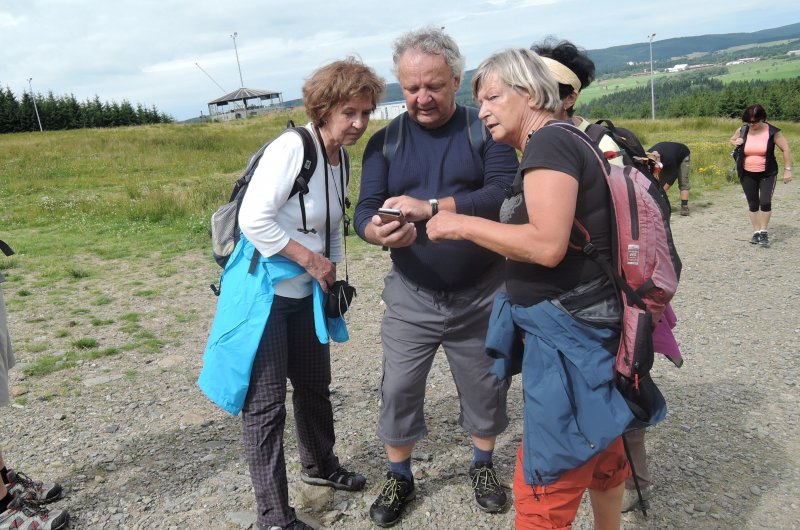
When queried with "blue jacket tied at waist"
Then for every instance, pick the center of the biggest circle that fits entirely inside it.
(573, 410)
(242, 311)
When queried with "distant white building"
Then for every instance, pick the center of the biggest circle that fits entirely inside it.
(793, 52)
(388, 110)
(678, 68)
(743, 61)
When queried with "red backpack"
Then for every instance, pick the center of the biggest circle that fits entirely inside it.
(645, 269)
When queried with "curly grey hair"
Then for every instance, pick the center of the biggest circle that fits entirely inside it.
(432, 41)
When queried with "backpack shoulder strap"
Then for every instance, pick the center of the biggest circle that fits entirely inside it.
(391, 140)
(5, 248)
(595, 132)
(309, 162)
(476, 131)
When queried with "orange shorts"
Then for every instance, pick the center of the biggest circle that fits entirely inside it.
(555, 505)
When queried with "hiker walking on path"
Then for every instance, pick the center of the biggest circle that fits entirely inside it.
(559, 181)
(758, 169)
(436, 157)
(290, 236)
(676, 162)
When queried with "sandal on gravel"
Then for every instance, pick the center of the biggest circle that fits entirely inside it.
(341, 479)
(24, 515)
(22, 486)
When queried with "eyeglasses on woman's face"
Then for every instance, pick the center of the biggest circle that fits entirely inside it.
(756, 122)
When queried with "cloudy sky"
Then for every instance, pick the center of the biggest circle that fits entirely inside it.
(148, 51)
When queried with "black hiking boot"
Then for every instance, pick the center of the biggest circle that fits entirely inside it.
(395, 493)
(489, 494)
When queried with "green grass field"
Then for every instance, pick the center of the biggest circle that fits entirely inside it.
(73, 197)
(103, 221)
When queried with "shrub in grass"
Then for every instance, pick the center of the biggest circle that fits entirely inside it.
(47, 364)
(102, 300)
(36, 347)
(131, 317)
(8, 263)
(24, 292)
(96, 354)
(77, 272)
(85, 343)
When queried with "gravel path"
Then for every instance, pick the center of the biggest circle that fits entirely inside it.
(137, 446)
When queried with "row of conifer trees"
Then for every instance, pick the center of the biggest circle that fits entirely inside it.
(66, 112)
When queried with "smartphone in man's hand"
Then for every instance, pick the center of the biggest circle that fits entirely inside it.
(388, 215)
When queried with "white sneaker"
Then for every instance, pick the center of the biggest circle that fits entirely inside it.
(630, 500)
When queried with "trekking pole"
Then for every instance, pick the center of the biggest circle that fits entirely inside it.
(642, 505)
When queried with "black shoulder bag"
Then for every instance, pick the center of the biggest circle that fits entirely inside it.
(739, 149)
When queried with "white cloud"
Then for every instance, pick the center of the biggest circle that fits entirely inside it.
(147, 51)
(7, 20)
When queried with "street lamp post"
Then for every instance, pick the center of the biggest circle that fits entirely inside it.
(34, 105)
(652, 78)
(237, 59)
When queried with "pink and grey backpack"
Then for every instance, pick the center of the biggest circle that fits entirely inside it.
(645, 268)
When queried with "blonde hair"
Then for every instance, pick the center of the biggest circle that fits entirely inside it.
(337, 83)
(523, 70)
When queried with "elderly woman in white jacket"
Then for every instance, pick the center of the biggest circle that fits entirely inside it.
(339, 99)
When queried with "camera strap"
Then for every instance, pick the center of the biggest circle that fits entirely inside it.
(342, 200)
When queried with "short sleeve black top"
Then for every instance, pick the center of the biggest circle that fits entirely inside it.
(552, 147)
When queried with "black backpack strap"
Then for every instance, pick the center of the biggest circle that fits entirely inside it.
(391, 140)
(300, 186)
(309, 162)
(477, 132)
(307, 169)
(596, 132)
(5, 248)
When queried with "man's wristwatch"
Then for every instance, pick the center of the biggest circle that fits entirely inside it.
(434, 206)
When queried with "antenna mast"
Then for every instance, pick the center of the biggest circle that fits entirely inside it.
(237, 58)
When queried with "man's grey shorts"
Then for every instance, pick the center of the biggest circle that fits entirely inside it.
(416, 322)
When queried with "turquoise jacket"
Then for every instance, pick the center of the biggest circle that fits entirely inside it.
(242, 311)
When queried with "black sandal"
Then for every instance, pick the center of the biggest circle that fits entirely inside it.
(341, 479)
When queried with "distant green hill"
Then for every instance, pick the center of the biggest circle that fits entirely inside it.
(614, 60)
(609, 60)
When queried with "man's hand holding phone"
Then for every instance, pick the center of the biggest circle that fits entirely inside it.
(390, 228)
(388, 215)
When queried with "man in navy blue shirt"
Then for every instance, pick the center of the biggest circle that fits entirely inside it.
(436, 156)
